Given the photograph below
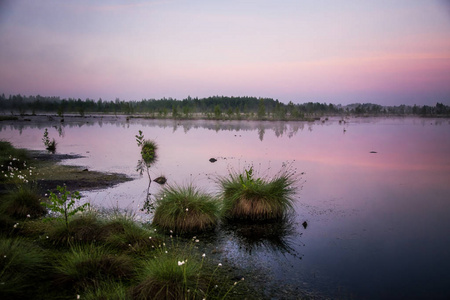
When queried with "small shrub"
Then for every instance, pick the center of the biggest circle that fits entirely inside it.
(246, 197)
(185, 209)
(49, 145)
(65, 203)
(148, 149)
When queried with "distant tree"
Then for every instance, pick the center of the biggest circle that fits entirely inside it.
(261, 109)
(174, 111)
(217, 111)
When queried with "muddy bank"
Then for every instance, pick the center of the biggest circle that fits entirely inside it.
(50, 173)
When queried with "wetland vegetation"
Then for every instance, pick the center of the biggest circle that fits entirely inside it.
(54, 246)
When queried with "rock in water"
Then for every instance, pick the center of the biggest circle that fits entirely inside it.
(160, 180)
(212, 160)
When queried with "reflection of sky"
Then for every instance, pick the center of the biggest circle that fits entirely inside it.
(375, 220)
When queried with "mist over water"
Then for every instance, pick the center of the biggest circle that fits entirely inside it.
(374, 193)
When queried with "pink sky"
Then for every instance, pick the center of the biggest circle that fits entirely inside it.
(386, 52)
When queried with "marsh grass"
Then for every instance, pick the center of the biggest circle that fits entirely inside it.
(248, 198)
(170, 276)
(84, 228)
(185, 209)
(107, 290)
(88, 266)
(23, 268)
(22, 202)
(121, 232)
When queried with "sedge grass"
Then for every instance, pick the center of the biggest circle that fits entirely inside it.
(23, 268)
(248, 198)
(123, 233)
(185, 209)
(169, 276)
(22, 202)
(89, 265)
(107, 290)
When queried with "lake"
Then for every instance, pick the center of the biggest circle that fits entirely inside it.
(375, 194)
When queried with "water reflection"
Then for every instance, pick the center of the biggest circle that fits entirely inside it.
(377, 222)
(280, 129)
(275, 235)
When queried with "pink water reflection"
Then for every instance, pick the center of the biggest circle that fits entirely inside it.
(386, 212)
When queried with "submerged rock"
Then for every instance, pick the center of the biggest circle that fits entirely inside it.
(213, 160)
(160, 180)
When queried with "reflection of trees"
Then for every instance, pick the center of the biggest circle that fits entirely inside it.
(276, 236)
(290, 128)
(261, 132)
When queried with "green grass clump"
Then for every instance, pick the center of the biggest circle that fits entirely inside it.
(23, 268)
(84, 228)
(185, 209)
(169, 277)
(248, 198)
(108, 290)
(123, 233)
(21, 203)
(89, 265)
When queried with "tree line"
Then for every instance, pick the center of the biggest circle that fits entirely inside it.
(214, 107)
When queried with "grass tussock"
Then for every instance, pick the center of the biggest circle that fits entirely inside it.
(108, 290)
(123, 233)
(185, 209)
(23, 268)
(248, 198)
(89, 266)
(169, 277)
(22, 202)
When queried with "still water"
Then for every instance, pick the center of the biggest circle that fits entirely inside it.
(375, 194)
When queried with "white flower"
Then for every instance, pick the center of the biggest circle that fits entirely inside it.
(180, 263)
(203, 255)
(219, 265)
(187, 209)
(78, 296)
(28, 216)
(197, 241)
(150, 237)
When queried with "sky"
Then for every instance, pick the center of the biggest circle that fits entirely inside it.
(341, 52)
